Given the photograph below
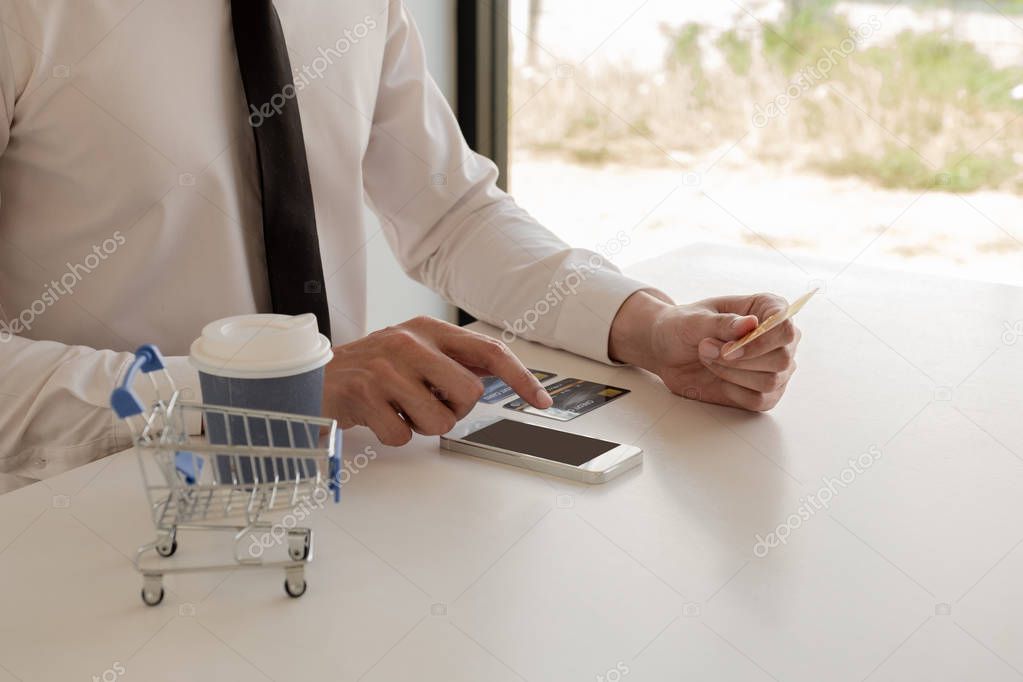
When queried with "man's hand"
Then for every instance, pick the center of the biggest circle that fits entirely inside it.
(422, 376)
(687, 346)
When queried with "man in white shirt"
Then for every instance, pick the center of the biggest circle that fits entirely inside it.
(130, 212)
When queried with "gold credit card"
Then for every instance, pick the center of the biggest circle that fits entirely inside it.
(774, 320)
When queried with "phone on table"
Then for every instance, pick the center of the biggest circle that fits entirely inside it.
(550, 451)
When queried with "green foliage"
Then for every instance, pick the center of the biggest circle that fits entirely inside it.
(940, 68)
(592, 157)
(684, 46)
(588, 120)
(738, 52)
(802, 35)
(942, 95)
(926, 80)
(899, 167)
(685, 56)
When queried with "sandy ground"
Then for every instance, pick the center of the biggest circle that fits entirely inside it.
(973, 236)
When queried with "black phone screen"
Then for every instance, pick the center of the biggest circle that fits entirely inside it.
(538, 441)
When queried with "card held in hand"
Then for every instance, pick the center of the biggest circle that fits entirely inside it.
(773, 321)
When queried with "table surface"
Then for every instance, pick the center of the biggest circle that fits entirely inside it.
(445, 567)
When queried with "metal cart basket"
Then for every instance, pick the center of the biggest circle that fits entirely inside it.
(271, 463)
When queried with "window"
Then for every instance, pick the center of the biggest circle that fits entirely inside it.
(884, 133)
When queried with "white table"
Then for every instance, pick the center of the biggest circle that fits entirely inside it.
(443, 567)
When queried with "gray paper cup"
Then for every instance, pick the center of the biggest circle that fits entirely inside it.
(261, 362)
(300, 394)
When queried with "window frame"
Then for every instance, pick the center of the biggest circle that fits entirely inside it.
(482, 80)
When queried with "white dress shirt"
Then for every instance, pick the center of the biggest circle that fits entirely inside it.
(130, 206)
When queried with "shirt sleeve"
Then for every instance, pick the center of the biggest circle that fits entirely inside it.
(55, 399)
(455, 231)
(55, 404)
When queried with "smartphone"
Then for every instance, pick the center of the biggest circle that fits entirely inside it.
(550, 451)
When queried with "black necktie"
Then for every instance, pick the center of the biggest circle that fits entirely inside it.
(289, 222)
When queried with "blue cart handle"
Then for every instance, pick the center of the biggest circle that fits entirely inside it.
(124, 400)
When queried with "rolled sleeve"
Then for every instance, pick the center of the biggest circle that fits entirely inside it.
(584, 323)
(455, 231)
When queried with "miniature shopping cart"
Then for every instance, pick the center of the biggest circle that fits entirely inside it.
(271, 464)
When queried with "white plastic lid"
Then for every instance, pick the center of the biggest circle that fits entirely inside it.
(260, 347)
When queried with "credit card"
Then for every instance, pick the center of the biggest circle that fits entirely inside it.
(774, 320)
(495, 390)
(572, 397)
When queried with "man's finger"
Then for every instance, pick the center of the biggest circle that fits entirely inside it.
(423, 409)
(761, 382)
(709, 349)
(760, 305)
(777, 360)
(390, 429)
(455, 385)
(748, 399)
(476, 350)
(782, 335)
(729, 327)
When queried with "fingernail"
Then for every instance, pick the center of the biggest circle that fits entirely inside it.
(734, 354)
(709, 352)
(544, 398)
(737, 322)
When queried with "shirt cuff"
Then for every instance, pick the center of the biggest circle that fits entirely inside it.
(584, 323)
(186, 380)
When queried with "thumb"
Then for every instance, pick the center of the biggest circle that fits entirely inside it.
(715, 329)
(709, 349)
(729, 327)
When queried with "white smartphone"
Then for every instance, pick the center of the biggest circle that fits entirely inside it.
(581, 458)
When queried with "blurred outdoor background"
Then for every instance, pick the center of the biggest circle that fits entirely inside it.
(875, 132)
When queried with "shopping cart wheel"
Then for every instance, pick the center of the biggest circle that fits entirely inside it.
(166, 548)
(299, 542)
(152, 589)
(152, 597)
(294, 590)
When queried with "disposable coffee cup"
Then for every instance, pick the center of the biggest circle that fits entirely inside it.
(261, 362)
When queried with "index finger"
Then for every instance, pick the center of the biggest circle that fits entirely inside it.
(775, 320)
(761, 305)
(478, 351)
(782, 335)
